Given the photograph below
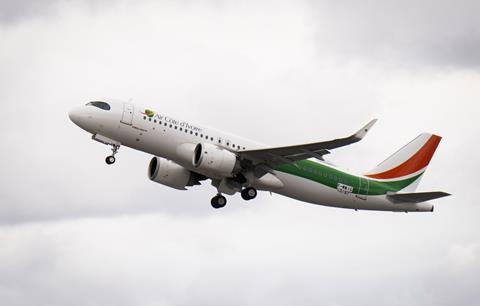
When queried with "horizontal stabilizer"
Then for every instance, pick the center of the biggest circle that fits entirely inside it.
(416, 197)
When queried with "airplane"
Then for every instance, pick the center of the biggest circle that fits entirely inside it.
(184, 154)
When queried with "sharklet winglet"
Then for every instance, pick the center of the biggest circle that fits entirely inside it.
(360, 134)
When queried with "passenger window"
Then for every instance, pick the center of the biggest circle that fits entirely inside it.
(155, 121)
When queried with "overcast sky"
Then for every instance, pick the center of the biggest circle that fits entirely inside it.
(74, 231)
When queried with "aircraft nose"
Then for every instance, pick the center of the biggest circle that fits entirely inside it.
(74, 115)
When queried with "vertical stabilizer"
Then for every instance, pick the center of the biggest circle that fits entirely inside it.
(410, 161)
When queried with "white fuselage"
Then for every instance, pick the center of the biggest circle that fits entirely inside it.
(161, 135)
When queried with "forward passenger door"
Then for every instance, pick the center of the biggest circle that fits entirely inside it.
(127, 116)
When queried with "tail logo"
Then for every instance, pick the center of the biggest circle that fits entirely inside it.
(415, 163)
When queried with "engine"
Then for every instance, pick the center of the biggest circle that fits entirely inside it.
(215, 161)
(166, 172)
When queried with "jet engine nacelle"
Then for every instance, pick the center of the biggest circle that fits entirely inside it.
(166, 172)
(215, 161)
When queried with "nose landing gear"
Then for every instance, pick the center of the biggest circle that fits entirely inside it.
(110, 142)
(111, 159)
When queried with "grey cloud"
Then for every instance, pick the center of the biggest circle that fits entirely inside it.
(133, 260)
(18, 11)
(439, 33)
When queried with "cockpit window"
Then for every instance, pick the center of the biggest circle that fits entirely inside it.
(100, 104)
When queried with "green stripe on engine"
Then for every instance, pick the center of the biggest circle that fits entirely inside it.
(331, 177)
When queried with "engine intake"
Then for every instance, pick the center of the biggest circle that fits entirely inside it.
(215, 161)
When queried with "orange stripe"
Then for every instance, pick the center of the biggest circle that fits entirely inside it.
(418, 161)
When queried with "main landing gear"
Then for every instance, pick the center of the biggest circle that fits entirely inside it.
(218, 201)
(111, 159)
(249, 193)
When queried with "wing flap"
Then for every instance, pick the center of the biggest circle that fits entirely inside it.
(416, 197)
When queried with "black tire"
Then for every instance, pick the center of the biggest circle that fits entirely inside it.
(110, 160)
(218, 201)
(249, 193)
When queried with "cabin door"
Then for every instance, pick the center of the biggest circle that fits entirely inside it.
(363, 188)
(127, 116)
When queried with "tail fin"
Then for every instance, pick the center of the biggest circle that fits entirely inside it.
(410, 161)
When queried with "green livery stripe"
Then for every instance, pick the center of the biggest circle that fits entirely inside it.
(331, 177)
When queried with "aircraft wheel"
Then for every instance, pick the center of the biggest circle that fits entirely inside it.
(110, 159)
(218, 201)
(249, 193)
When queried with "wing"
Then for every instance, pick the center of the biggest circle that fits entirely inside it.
(287, 155)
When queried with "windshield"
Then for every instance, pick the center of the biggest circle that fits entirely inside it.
(99, 104)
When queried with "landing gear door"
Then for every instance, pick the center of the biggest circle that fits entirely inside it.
(127, 116)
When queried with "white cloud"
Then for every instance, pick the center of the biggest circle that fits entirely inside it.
(259, 255)
(464, 256)
(75, 229)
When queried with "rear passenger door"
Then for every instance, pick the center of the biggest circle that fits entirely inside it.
(363, 188)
